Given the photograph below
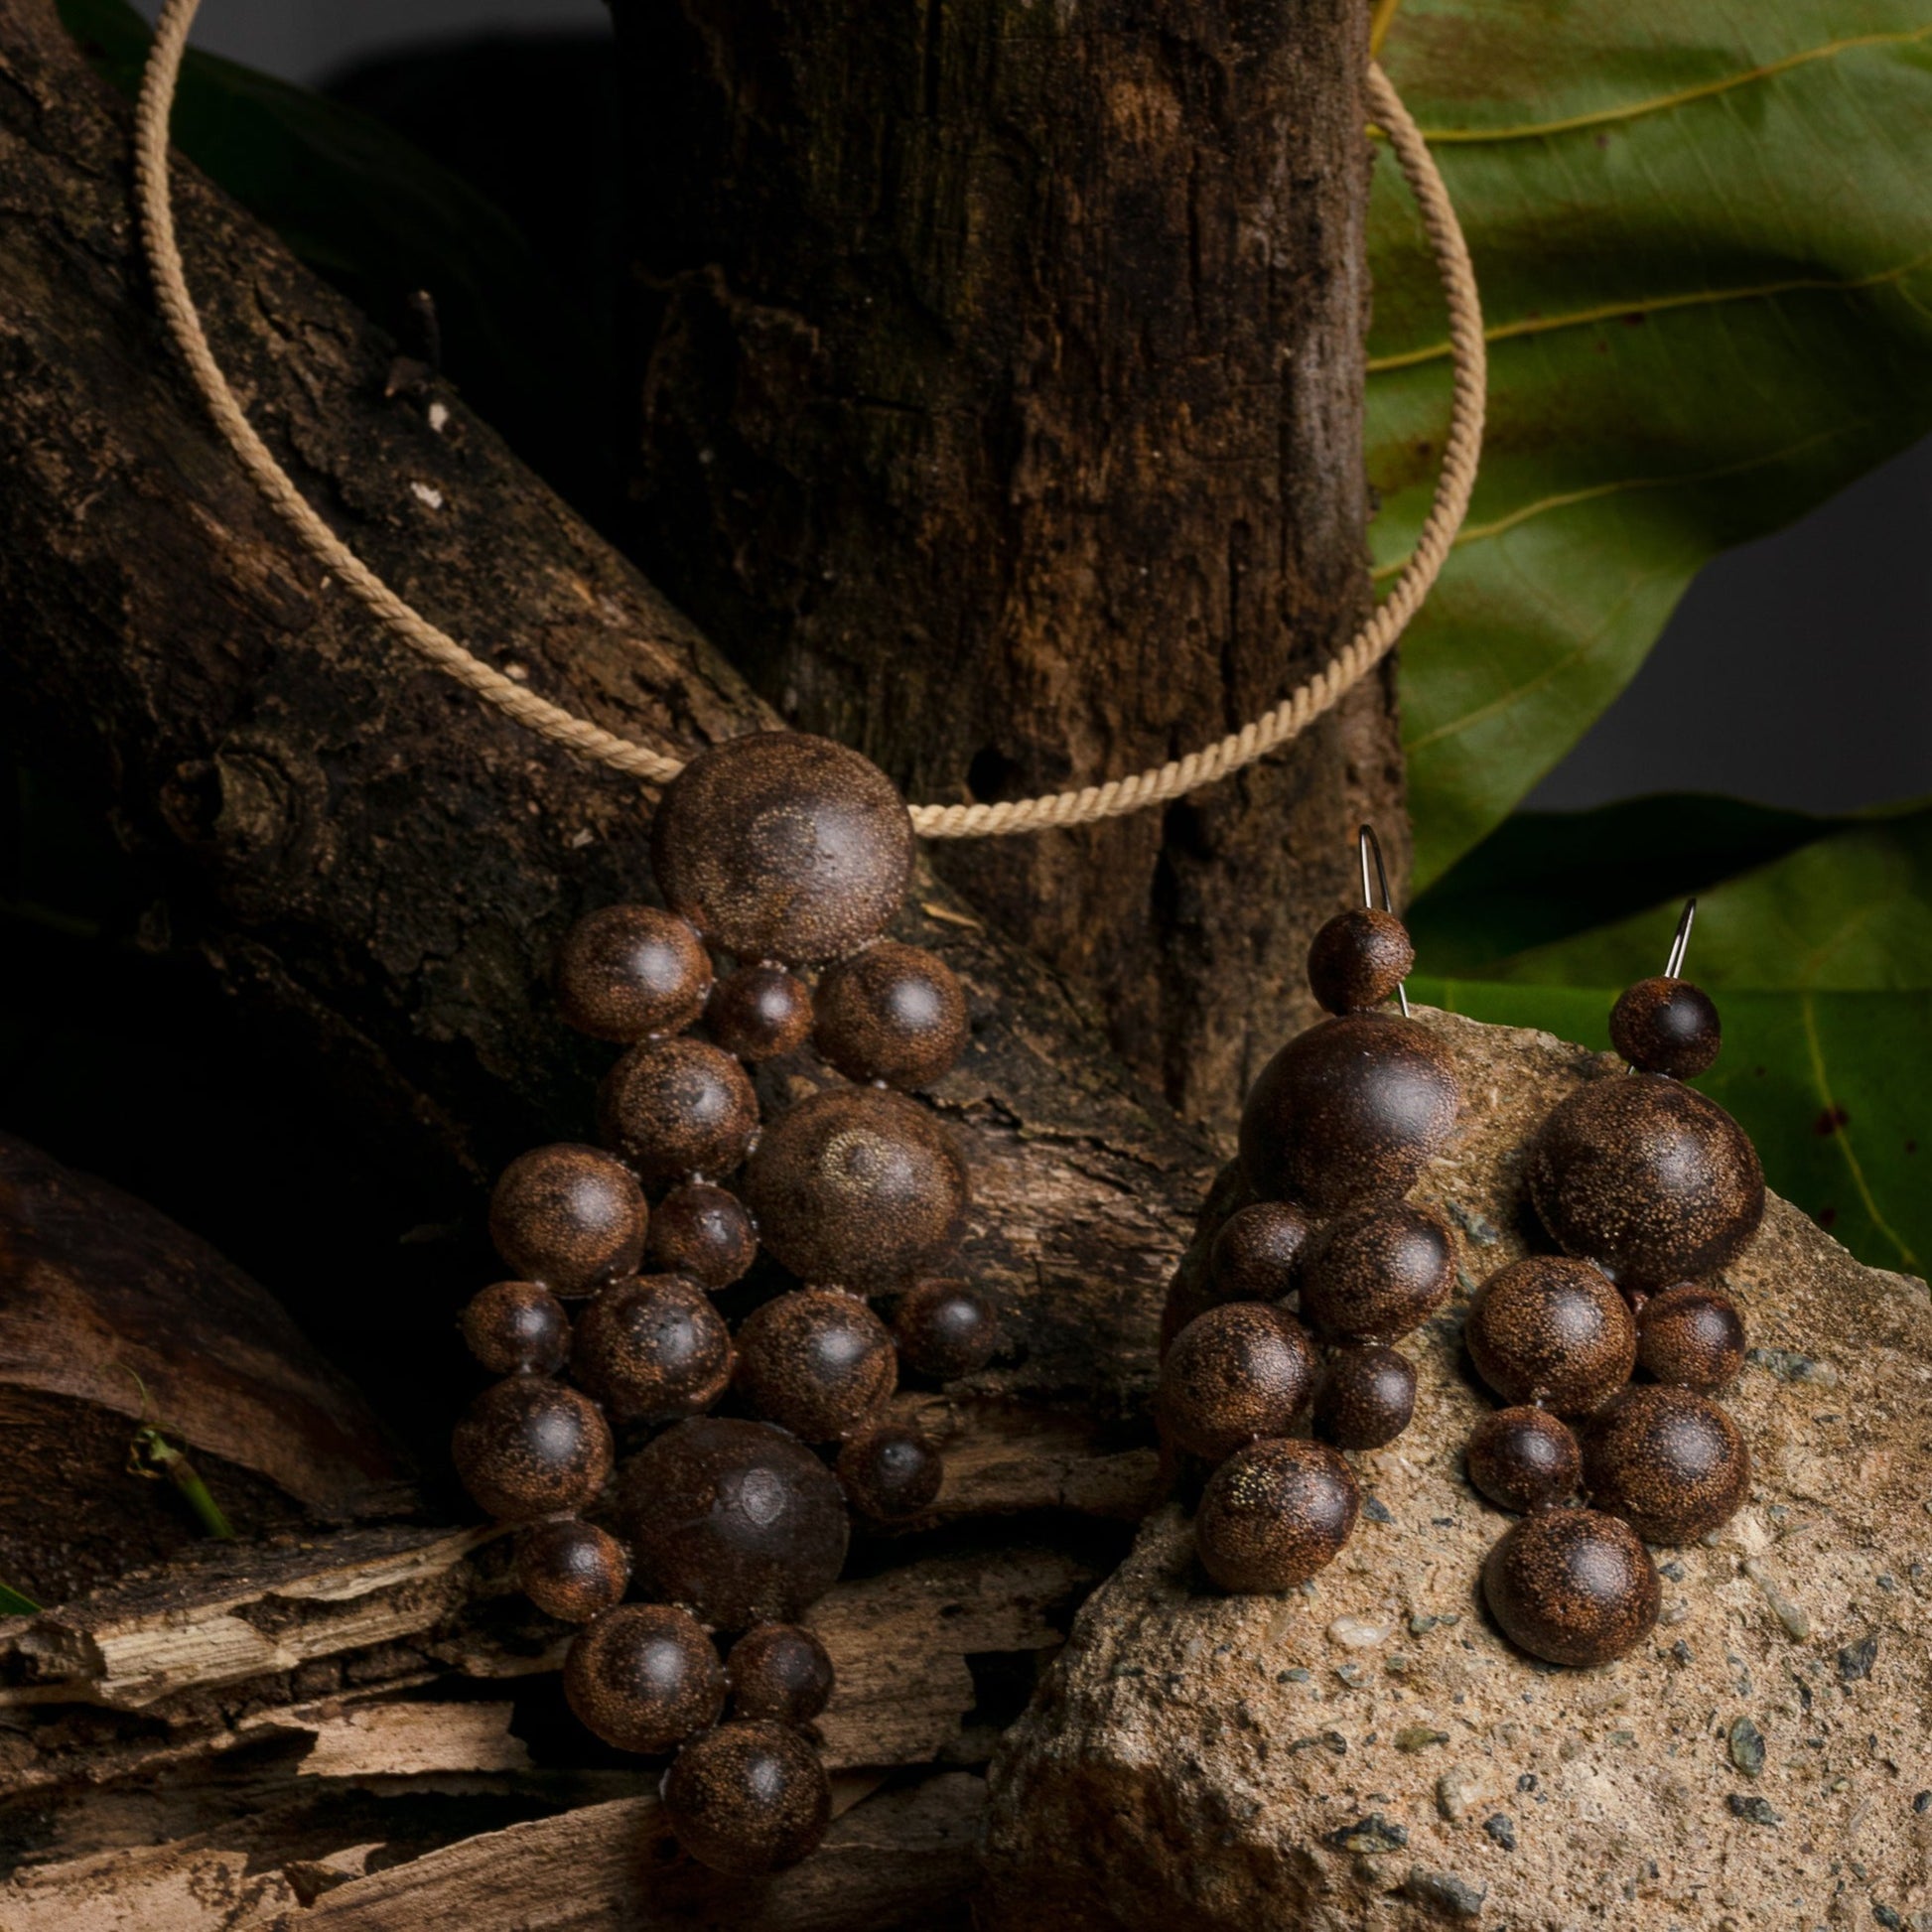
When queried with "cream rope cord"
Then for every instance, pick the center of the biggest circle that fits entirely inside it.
(1293, 715)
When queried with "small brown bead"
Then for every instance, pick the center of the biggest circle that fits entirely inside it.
(628, 971)
(891, 1013)
(1275, 1513)
(1349, 1112)
(568, 1217)
(1358, 959)
(1572, 1586)
(653, 1349)
(1667, 1026)
(677, 1108)
(512, 1325)
(572, 1571)
(1669, 1462)
(946, 1329)
(1379, 1273)
(892, 1472)
(760, 1012)
(644, 1677)
(748, 1798)
(737, 1520)
(703, 1232)
(1693, 1336)
(1524, 1459)
(1648, 1178)
(782, 846)
(857, 1186)
(779, 1672)
(529, 1448)
(1551, 1330)
(1366, 1397)
(1257, 1256)
(1239, 1371)
(817, 1363)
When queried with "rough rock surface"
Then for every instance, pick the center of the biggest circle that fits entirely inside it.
(1369, 1754)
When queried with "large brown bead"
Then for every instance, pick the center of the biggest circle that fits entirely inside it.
(1669, 1462)
(1572, 1586)
(1358, 959)
(628, 971)
(512, 1325)
(1524, 1459)
(737, 1520)
(570, 1569)
(704, 1232)
(748, 1798)
(1379, 1273)
(1239, 1371)
(1667, 1026)
(1275, 1513)
(1258, 1253)
(760, 1012)
(644, 1677)
(1366, 1399)
(678, 1108)
(857, 1186)
(782, 846)
(1551, 1330)
(891, 1013)
(568, 1217)
(946, 1329)
(892, 1472)
(1691, 1335)
(1349, 1112)
(528, 1447)
(816, 1361)
(779, 1672)
(653, 1349)
(1648, 1178)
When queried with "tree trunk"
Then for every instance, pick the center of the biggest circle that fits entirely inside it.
(1002, 384)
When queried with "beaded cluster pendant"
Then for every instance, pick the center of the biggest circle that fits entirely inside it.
(787, 855)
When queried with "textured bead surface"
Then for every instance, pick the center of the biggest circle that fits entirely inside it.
(735, 1520)
(1647, 1177)
(1693, 1336)
(760, 1012)
(1366, 1399)
(1667, 1026)
(644, 1677)
(857, 1186)
(1524, 1459)
(945, 1328)
(512, 1325)
(778, 1671)
(1238, 1372)
(568, 1217)
(782, 846)
(1275, 1513)
(1258, 1253)
(570, 1569)
(1572, 1586)
(817, 1363)
(748, 1798)
(1555, 1330)
(891, 1013)
(892, 1472)
(675, 1108)
(1358, 959)
(704, 1232)
(1379, 1273)
(1349, 1112)
(529, 1446)
(1669, 1462)
(627, 971)
(653, 1349)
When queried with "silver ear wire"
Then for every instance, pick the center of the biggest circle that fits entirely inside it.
(1366, 843)
(1681, 943)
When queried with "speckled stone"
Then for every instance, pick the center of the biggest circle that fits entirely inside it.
(571, 1570)
(528, 1447)
(748, 1798)
(1239, 1371)
(512, 1325)
(946, 1329)
(760, 1012)
(1368, 1397)
(1691, 1335)
(1667, 1026)
(568, 1217)
(817, 1363)
(1572, 1586)
(1670, 1461)
(1358, 959)
(1275, 1513)
(1524, 1459)
(1378, 1275)
(704, 1232)
(892, 1472)
(653, 1349)
(628, 971)
(1553, 1331)
(891, 1013)
(779, 1672)
(644, 1677)
(678, 1109)
(1257, 1253)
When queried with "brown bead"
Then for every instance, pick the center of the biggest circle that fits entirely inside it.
(572, 1571)
(512, 1325)
(1258, 1253)
(1378, 1274)
(857, 1186)
(735, 1520)
(779, 1672)
(1273, 1513)
(782, 846)
(653, 1349)
(1667, 1026)
(891, 1013)
(760, 1012)
(892, 1472)
(1239, 1371)
(1551, 1330)
(703, 1232)
(1349, 1112)
(946, 1329)
(528, 1447)
(1693, 1336)
(628, 971)
(644, 1677)
(1358, 959)
(1524, 1459)
(816, 1361)
(748, 1798)
(1366, 1399)
(1648, 1178)
(1571, 1586)
(1669, 1462)
(678, 1108)
(568, 1217)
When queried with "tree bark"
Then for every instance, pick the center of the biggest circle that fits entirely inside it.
(1002, 387)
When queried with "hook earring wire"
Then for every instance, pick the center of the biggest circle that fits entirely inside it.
(1680, 944)
(1365, 843)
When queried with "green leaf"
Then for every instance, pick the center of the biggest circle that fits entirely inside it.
(1706, 254)
(13, 1603)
